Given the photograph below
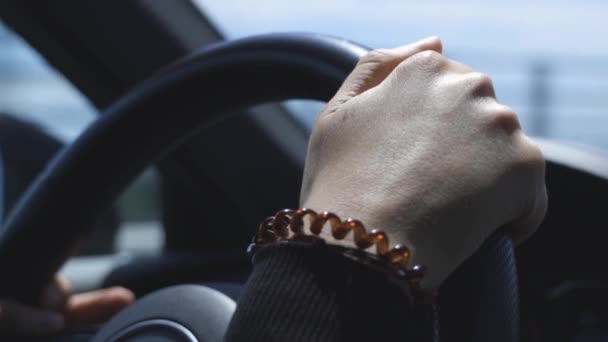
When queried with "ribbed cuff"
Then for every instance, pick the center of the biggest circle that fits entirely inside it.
(306, 293)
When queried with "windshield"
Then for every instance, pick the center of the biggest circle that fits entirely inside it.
(547, 58)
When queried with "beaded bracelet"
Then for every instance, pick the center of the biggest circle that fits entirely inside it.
(287, 226)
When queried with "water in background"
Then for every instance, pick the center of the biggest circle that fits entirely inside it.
(548, 58)
(562, 97)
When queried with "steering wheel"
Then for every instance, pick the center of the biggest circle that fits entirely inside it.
(479, 303)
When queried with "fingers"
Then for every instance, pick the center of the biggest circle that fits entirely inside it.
(97, 306)
(461, 68)
(527, 163)
(383, 61)
(453, 74)
(480, 84)
(20, 320)
(375, 66)
(58, 308)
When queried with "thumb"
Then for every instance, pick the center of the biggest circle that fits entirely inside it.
(97, 306)
(375, 66)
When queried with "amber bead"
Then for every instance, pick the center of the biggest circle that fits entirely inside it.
(281, 220)
(317, 225)
(399, 255)
(297, 221)
(278, 228)
(380, 239)
(265, 234)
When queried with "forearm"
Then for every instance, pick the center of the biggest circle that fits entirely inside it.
(305, 293)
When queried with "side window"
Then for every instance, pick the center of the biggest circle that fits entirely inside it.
(40, 112)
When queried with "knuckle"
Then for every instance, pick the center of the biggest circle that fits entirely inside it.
(534, 155)
(504, 117)
(428, 55)
(428, 60)
(481, 84)
(530, 158)
(377, 56)
(481, 79)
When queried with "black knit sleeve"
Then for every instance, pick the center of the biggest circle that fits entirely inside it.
(306, 293)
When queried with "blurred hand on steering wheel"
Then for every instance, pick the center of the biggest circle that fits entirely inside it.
(60, 309)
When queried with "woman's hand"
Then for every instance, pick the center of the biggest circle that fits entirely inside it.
(60, 309)
(417, 145)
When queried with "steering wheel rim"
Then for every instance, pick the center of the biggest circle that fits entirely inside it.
(292, 66)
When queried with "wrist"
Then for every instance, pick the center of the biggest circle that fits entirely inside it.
(307, 226)
(370, 214)
(397, 230)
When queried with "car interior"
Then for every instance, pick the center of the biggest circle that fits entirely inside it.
(192, 134)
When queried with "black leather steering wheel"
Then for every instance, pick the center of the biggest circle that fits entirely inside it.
(479, 304)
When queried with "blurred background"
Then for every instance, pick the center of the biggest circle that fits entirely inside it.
(548, 60)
